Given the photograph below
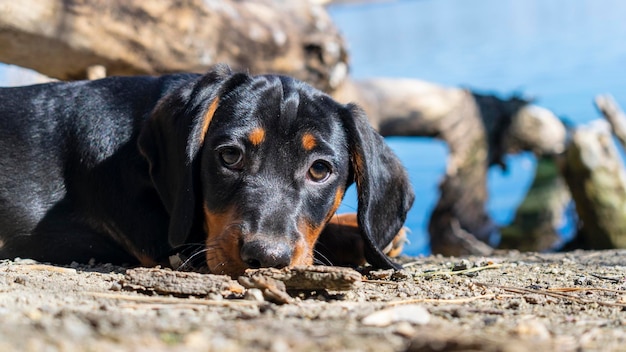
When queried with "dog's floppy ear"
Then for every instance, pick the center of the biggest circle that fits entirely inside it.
(384, 192)
(170, 140)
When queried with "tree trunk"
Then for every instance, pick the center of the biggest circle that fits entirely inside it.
(596, 178)
(612, 112)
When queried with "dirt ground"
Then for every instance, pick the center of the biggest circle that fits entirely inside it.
(509, 302)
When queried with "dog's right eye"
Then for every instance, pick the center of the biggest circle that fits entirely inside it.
(319, 172)
(231, 157)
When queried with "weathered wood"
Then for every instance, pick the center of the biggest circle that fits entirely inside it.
(166, 281)
(63, 38)
(311, 278)
(596, 178)
(612, 112)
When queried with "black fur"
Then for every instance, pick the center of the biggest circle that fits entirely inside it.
(120, 170)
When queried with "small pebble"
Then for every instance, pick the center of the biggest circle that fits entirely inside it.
(535, 299)
(532, 328)
(462, 265)
(414, 314)
(22, 279)
(381, 274)
(254, 294)
(405, 329)
(116, 286)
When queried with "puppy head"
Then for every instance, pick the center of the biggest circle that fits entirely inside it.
(258, 165)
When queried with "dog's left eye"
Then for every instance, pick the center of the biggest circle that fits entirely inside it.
(231, 157)
(319, 172)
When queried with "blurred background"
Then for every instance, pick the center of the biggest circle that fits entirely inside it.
(561, 53)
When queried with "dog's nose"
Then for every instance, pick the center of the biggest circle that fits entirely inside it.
(264, 254)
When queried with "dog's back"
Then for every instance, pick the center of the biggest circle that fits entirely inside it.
(59, 140)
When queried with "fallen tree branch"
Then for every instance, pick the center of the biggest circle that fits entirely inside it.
(63, 38)
(612, 112)
(594, 172)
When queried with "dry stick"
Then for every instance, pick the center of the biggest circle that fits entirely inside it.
(381, 282)
(579, 300)
(171, 300)
(615, 280)
(578, 289)
(447, 301)
(460, 272)
(410, 264)
(43, 267)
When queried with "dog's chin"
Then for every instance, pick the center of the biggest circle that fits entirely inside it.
(222, 255)
(230, 267)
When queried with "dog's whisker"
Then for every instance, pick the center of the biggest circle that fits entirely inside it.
(191, 258)
(318, 262)
(321, 259)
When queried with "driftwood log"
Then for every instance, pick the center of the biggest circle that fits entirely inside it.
(70, 39)
(479, 130)
(613, 113)
(594, 172)
(64, 38)
(596, 178)
(591, 174)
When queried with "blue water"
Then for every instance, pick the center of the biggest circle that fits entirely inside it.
(562, 53)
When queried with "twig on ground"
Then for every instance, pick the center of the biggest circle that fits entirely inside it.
(448, 301)
(461, 272)
(172, 300)
(556, 294)
(613, 279)
(380, 282)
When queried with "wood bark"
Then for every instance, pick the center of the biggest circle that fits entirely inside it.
(612, 112)
(596, 178)
(594, 171)
(63, 38)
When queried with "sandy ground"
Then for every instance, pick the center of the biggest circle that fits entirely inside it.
(508, 302)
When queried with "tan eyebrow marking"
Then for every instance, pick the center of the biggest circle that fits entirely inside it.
(257, 136)
(208, 117)
(308, 141)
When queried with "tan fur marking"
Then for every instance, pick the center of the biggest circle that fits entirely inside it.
(222, 254)
(349, 220)
(303, 252)
(343, 237)
(257, 136)
(308, 141)
(336, 203)
(146, 261)
(208, 117)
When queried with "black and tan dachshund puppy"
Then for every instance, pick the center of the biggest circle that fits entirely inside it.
(130, 169)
